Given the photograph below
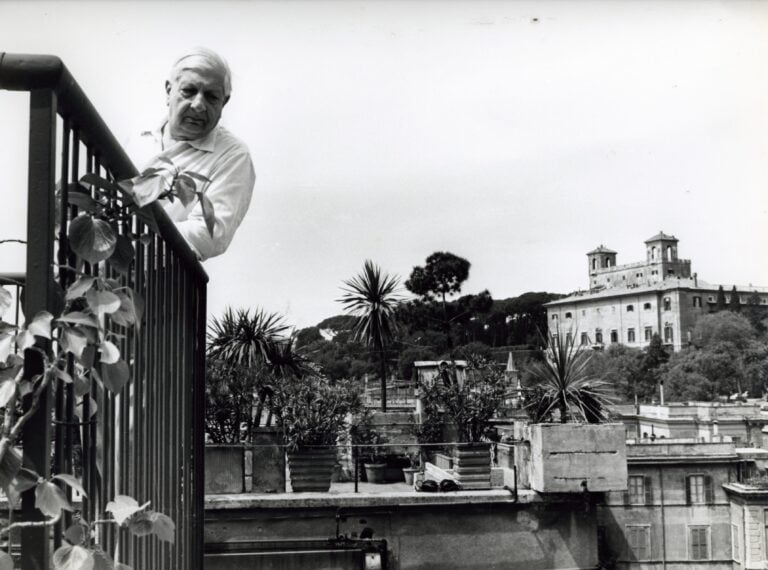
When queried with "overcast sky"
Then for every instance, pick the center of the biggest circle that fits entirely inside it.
(518, 135)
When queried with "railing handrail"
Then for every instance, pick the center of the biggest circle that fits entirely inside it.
(27, 72)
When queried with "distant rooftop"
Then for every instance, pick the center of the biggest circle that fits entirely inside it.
(601, 249)
(661, 236)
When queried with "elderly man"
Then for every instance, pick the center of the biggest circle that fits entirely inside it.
(191, 143)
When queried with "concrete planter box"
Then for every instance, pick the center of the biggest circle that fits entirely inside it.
(246, 468)
(311, 469)
(564, 456)
(472, 466)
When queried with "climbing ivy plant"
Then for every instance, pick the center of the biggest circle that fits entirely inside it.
(78, 348)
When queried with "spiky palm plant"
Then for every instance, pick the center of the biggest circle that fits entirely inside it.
(372, 297)
(239, 338)
(565, 383)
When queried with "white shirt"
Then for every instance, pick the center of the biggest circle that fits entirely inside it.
(218, 156)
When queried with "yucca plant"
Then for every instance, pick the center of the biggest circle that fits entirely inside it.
(244, 339)
(565, 383)
(372, 297)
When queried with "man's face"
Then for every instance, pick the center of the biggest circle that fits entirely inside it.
(195, 100)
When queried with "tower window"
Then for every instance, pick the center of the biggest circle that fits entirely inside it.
(667, 304)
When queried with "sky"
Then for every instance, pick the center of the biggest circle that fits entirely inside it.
(519, 135)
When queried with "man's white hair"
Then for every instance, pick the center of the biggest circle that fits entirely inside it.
(212, 60)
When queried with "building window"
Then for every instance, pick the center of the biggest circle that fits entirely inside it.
(598, 336)
(698, 542)
(698, 490)
(668, 336)
(639, 541)
(735, 543)
(554, 317)
(614, 336)
(648, 333)
(667, 304)
(568, 339)
(646, 306)
(583, 312)
(568, 316)
(630, 308)
(584, 339)
(697, 301)
(639, 490)
(630, 335)
(670, 271)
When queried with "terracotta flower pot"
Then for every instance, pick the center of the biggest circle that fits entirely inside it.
(375, 472)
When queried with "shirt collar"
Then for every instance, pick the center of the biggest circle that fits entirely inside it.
(206, 143)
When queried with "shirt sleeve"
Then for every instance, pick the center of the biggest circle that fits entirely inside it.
(230, 193)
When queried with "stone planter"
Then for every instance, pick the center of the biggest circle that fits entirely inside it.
(566, 457)
(224, 468)
(375, 472)
(408, 473)
(472, 465)
(311, 469)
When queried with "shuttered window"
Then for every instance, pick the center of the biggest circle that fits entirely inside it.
(639, 541)
(698, 542)
(699, 490)
(640, 491)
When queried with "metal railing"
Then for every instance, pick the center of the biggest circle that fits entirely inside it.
(150, 435)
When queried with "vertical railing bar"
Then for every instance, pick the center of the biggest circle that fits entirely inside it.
(60, 447)
(38, 296)
(198, 441)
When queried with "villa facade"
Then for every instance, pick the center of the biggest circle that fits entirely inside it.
(629, 303)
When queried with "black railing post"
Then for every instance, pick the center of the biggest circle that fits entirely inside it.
(39, 296)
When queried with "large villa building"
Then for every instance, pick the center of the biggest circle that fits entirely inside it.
(628, 303)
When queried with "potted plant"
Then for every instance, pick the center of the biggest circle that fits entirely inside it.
(311, 413)
(414, 457)
(469, 405)
(571, 445)
(370, 453)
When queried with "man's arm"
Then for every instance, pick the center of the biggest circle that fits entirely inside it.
(230, 193)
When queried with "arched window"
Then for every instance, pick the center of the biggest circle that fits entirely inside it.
(653, 252)
(668, 255)
(594, 263)
(667, 304)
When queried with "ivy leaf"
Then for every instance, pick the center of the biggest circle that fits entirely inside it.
(7, 392)
(79, 318)
(6, 344)
(198, 177)
(50, 499)
(92, 239)
(102, 561)
(76, 534)
(163, 526)
(115, 375)
(102, 302)
(25, 339)
(123, 507)
(140, 524)
(10, 466)
(69, 557)
(123, 255)
(79, 287)
(62, 375)
(110, 354)
(41, 324)
(82, 384)
(88, 356)
(74, 341)
(82, 200)
(185, 188)
(25, 479)
(71, 481)
(208, 214)
(6, 299)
